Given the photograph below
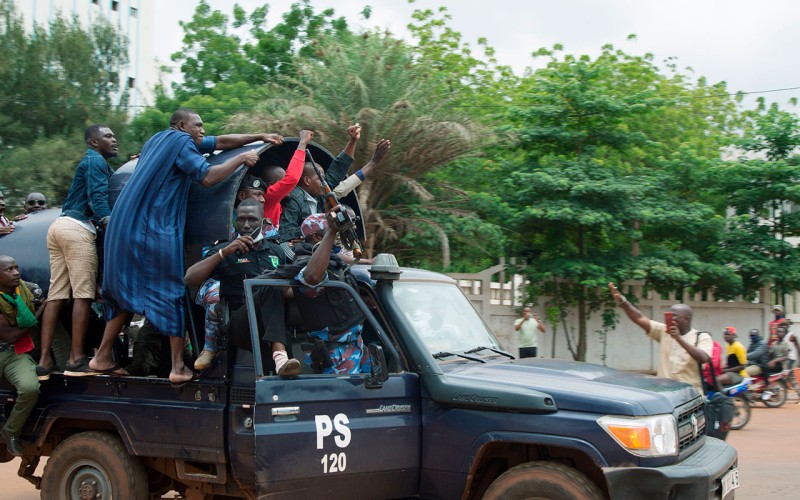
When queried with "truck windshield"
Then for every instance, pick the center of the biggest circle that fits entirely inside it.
(443, 317)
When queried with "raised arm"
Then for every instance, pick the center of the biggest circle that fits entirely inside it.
(318, 264)
(276, 192)
(633, 314)
(231, 141)
(353, 135)
(218, 173)
(353, 181)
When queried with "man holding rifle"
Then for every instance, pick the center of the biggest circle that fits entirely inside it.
(307, 197)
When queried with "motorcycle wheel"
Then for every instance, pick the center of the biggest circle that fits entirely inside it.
(741, 413)
(778, 397)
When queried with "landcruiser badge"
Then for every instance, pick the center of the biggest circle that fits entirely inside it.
(695, 429)
(390, 409)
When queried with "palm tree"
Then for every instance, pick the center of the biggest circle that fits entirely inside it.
(372, 79)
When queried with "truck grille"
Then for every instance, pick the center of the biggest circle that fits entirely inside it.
(691, 423)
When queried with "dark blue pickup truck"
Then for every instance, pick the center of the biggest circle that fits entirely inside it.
(445, 413)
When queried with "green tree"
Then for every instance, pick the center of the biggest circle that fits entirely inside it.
(761, 189)
(226, 60)
(595, 197)
(57, 79)
(375, 81)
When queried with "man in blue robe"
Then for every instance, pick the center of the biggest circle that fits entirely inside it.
(144, 242)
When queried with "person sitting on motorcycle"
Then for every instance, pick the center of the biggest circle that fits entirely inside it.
(778, 351)
(735, 360)
(757, 355)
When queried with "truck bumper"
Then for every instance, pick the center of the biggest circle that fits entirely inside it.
(698, 476)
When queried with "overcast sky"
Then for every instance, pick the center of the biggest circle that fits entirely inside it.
(752, 45)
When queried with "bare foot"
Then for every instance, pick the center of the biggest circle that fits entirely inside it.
(179, 376)
(102, 364)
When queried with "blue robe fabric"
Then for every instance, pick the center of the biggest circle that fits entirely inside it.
(144, 240)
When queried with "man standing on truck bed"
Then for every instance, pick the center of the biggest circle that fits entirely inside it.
(16, 366)
(73, 252)
(681, 347)
(144, 243)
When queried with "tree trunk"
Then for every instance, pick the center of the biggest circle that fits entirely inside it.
(581, 351)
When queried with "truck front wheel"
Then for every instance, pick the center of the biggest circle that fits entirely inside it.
(93, 465)
(543, 480)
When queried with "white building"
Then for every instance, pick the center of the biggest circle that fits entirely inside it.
(132, 18)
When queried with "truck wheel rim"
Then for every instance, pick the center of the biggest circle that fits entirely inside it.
(85, 479)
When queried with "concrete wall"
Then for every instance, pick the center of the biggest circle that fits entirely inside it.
(499, 300)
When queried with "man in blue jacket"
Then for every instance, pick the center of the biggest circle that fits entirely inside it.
(73, 253)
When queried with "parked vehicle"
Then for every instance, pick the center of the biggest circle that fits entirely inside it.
(445, 413)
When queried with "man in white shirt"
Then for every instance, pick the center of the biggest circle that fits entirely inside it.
(527, 327)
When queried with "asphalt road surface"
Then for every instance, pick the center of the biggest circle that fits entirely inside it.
(767, 446)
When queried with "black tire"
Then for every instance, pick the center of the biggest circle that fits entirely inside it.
(741, 413)
(778, 389)
(548, 480)
(93, 465)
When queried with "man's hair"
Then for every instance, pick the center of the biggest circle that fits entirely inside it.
(274, 174)
(180, 114)
(683, 309)
(92, 132)
(251, 202)
(308, 169)
(35, 193)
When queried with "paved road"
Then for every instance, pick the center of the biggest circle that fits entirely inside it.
(768, 458)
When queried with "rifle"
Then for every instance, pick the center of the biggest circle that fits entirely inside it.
(344, 221)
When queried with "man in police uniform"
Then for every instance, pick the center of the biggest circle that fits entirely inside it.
(247, 256)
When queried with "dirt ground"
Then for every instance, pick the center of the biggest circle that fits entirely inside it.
(767, 446)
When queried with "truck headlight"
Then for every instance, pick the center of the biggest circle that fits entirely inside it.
(654, 436)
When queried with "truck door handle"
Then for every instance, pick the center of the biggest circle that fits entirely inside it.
(286, 411)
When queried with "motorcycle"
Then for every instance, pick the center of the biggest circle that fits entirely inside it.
(741, 406)
(772, 392)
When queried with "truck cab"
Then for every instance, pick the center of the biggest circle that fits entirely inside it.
(444, 413)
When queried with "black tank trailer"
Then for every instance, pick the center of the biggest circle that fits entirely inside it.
(209, 211)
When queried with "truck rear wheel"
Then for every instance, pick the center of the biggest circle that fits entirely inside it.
(543, 480)
(93, 465)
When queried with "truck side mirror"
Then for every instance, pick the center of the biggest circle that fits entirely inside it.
(380, 372)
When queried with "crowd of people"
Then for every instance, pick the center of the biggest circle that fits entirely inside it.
(130, 258)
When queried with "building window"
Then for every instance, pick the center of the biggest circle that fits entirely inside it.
(114, 5)
(134, 12)
(131, 82)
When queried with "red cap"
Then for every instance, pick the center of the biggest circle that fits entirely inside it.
(730, 329)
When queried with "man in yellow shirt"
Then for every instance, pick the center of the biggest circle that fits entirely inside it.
(735, 359)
